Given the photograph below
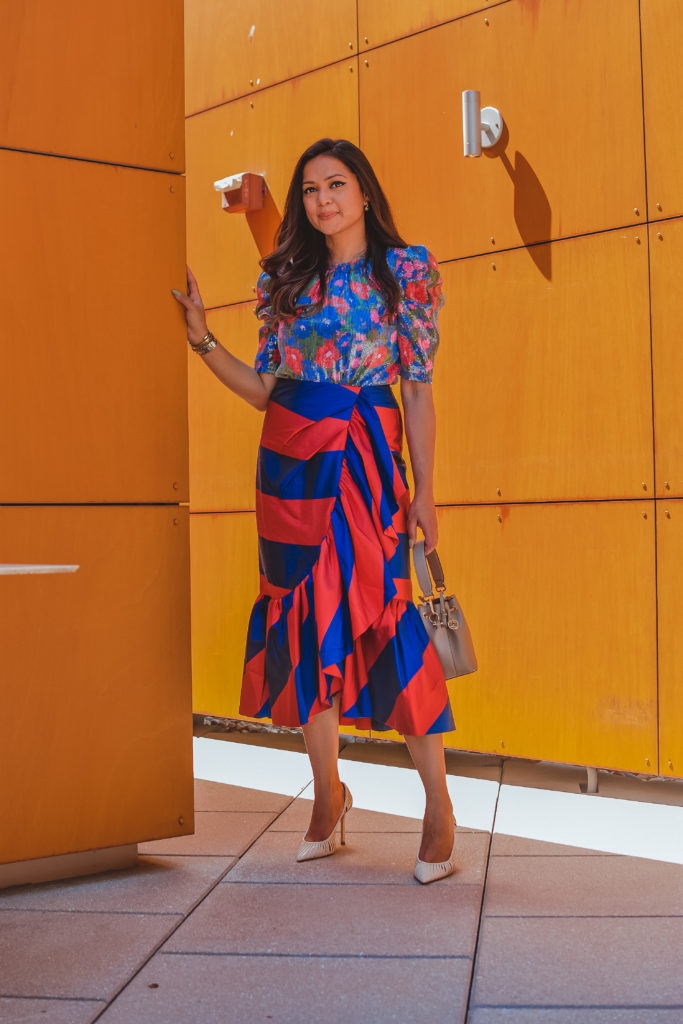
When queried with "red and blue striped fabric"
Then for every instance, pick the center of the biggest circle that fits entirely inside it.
(335, 610)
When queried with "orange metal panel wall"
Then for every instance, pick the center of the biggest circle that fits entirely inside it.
(566, 79)
(246, 45)
(555, 383)
(666, 262)
(662, 35)
(380, 21)
(96, 731)
(96, 741)
(224, 583)
(93, 81)
(544, 384)
(102, 401)
(669, 561)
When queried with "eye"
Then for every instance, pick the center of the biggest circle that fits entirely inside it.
(309, 187)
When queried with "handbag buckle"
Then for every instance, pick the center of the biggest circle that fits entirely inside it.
(439, 616)
(433, 615)
(445, 612)
(451, 621)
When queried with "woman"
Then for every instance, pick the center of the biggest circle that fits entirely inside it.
(348, 308)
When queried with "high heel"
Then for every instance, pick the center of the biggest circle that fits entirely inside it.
(426, 871)
(310, 850)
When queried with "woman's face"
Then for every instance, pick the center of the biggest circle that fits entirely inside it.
(332, 197)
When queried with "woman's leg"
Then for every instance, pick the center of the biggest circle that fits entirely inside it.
(429, 759)
(321, 735)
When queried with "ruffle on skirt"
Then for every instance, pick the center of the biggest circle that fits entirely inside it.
(335, 610)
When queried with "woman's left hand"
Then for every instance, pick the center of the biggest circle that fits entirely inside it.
(422, 513)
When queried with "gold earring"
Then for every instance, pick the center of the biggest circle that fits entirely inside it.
(365, 205)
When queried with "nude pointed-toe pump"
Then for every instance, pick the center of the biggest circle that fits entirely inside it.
(309, 850)
(426, 871)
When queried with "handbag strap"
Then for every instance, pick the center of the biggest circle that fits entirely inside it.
(421, 562)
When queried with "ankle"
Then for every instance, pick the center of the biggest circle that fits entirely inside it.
(326, 792)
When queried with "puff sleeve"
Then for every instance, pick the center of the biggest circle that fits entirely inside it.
(268, 354)
(417, 319)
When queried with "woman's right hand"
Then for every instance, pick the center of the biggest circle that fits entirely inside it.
(195, 316)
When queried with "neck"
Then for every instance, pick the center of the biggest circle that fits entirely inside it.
(344, 251)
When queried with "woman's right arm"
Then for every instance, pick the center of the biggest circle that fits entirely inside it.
(244, 380)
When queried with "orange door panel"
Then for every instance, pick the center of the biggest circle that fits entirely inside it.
(566, 80)
(245, 45)
(225, 584)
(93, 81)
(96, 730)
(224, 429)
(662, 30)
(666, 267)
(560, 599)
(264, 133)
(95, 352)
(669, 562)
(542, 376)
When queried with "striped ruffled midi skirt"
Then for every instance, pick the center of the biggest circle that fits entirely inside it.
(335, 612)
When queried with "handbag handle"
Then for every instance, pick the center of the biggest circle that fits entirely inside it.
(421, 561)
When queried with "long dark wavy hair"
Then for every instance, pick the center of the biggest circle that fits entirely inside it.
(301, 251)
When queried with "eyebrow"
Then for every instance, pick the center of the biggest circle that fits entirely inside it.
(339, 174)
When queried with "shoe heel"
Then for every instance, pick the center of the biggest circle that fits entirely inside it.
(309, 849)
(348, 803)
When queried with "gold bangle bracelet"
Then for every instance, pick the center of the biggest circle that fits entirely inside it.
(208, 342)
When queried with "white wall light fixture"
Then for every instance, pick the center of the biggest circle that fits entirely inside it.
(479, 127)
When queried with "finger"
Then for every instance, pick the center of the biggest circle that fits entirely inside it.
(412, 532)
(430, 541)
(193, 290)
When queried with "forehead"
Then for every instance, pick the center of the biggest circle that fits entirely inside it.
(321, 167)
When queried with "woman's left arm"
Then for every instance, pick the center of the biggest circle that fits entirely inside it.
(420, 429)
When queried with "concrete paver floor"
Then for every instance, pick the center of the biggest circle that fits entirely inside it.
(566, 907)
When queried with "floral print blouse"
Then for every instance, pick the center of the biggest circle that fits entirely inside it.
(350, 340)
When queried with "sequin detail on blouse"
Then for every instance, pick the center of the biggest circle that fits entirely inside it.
(350, 341)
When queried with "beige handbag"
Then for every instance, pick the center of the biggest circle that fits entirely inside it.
(443, 616)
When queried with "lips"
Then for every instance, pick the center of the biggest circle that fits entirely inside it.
(326, 216)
